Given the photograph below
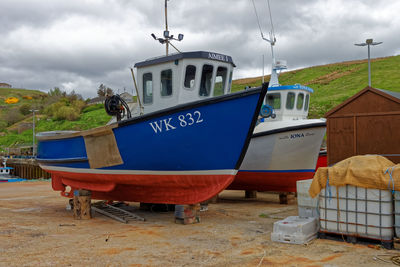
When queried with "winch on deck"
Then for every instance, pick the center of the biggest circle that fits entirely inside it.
(116, 106)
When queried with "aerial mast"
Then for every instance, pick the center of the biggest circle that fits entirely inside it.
(276, 66)
(166, 26)
(167, 38)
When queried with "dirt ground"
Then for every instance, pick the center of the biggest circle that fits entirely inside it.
(37, 230)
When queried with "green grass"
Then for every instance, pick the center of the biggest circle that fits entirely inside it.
(87, 120)
(95, 117)
(18, 92)
(334, 83)
(91, 117)
(5, 93)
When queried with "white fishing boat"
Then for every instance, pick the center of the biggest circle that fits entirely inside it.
(285, 144)
(5, 171)
(283, 149)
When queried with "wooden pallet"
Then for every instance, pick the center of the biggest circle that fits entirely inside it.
(396, 243)
(388, 244)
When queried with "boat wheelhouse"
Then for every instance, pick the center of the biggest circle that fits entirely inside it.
(288, 102)
(5, 171)
(181, 78)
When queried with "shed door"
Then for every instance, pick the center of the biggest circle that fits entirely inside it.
(340, 139)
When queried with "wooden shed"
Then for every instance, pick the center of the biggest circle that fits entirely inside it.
(366, 123)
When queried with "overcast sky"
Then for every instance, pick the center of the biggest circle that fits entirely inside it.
(79, 44)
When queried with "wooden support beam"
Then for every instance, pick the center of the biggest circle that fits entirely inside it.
(250, 194)
(187, 214)
(214, 199)
(283, 198)
(82, 204)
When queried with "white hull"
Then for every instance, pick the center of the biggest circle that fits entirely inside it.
(4, 173)
(280, 153)
(285, 146)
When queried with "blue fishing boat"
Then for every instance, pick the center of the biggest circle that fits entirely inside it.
(184, 145)
(182, 154)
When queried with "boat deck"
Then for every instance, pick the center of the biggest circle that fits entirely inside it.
(37, 230)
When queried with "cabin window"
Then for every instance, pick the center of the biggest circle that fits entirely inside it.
(290, 100)
(220, 81)
(166, 82)
(306, 103)
(300, 101)
(147, 88)
(189, 76)
(230, 83)
(274, 100)
(206, 80)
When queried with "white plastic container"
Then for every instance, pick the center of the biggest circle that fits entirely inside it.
(357, 211)
(307, 206)
(295, 230)
(397, 213)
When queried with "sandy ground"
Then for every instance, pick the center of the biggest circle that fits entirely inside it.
(37, 230)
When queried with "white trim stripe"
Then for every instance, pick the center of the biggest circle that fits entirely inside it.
(138, 172)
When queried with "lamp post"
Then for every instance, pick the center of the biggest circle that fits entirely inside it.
(33, 131)
(369, 42)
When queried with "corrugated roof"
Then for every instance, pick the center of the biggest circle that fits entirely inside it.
(394, 94)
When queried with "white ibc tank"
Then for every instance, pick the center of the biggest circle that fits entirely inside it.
(397, 213)
(295, 230)
(306, 205)
(357, 211)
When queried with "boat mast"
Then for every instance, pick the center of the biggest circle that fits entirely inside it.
(167, 38)
(272, 40)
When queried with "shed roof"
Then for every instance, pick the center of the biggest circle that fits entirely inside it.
(394, 94)
(390, 95)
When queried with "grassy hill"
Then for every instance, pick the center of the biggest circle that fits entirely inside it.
(91, 117)
(18, 92)
(334, 83)
(25, 96)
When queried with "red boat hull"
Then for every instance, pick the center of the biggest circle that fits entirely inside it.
(281, 181)
(322, 160)
(169, 189)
